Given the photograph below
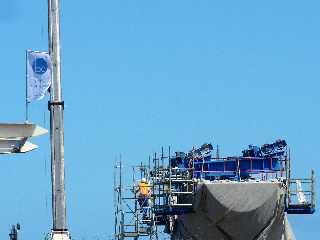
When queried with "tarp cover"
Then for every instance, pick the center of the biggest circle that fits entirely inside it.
(236, 211)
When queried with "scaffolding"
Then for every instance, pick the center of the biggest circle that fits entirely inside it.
(301, 197)
(172, 192)
(173, 185)
(132, 220)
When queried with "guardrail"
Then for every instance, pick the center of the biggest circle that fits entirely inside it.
(301, 195)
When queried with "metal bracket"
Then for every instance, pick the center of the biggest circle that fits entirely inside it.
(55, 104)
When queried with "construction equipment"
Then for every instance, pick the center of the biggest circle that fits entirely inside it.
(179, 182)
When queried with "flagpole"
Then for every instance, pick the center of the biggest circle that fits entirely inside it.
(27, 105)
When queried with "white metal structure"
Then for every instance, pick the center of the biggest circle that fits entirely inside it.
(301, 197)
(14, 136)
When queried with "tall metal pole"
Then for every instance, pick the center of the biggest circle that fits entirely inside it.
(56, 107)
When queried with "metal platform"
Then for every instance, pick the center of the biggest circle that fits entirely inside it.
(301, 195)
(14, 136)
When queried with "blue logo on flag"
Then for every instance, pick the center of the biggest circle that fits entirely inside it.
(39, 66)
(38, 74)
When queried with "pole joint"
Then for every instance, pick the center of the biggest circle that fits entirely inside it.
(55, 103)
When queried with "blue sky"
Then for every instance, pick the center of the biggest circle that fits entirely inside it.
(138, 75)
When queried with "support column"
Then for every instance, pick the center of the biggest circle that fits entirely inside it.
(56, 107)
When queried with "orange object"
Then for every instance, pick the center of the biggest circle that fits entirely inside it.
(144, 189)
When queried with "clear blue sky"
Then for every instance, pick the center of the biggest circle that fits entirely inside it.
(138, 75)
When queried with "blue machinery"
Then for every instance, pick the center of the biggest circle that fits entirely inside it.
(254, 161)
(173, 186)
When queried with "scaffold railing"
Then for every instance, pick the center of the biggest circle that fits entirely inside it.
(133, 218)
(301, 195)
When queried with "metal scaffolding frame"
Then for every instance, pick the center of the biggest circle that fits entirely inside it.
(292, 203)
(130, 218)
(304, 187)
(172, 194)
(173, 191)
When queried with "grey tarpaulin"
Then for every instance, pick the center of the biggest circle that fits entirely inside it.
(226, 210)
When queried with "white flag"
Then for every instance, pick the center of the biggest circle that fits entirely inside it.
(39, 68)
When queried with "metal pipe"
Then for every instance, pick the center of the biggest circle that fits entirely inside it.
(56, 120)
(303, 180)
(313, 200)
(170, 177)
(182, 205)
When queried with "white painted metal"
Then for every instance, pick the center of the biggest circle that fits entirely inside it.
(301, 197)
(20, 130)
(60, 235)
(15, 145)
(14, 136)
(27, 147)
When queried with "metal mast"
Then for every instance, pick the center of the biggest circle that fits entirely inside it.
(56, 107)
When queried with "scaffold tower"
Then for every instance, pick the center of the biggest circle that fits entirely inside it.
(173, 179)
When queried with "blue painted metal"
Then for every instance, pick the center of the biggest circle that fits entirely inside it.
(173, 211)
(300, 209)
(254, 160)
